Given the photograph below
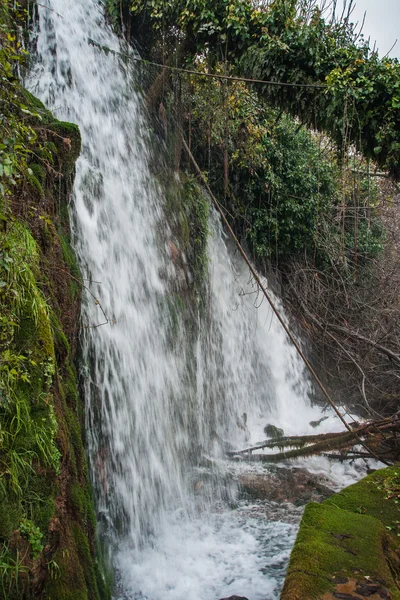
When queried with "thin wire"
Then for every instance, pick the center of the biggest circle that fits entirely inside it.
(200, 74)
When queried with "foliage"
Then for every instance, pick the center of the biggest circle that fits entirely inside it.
(289, 41)
(33, 534)
(18, 137)
(294, 167)
(26, 414)
(11, 570)
(365, 87)
(283, 185)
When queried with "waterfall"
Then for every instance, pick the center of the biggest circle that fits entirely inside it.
(153, 408)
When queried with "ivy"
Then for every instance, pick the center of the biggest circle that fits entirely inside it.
(289, 42)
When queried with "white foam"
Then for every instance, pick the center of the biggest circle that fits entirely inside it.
(213, 557)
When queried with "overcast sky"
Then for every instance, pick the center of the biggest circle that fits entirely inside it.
(382, 23)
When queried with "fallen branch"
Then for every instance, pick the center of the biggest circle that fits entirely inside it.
(298, 441)
(374, 436)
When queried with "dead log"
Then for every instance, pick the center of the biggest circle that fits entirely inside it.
(380, 439)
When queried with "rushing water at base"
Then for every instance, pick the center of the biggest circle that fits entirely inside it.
(155, 406)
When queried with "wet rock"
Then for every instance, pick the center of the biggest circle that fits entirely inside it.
(336, 538)
(296, 486)
(272, 431)
(183, 278)
(351, 589)
(234, 598)
(174, 252)
(315, 424)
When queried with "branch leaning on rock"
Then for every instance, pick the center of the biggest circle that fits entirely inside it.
(269, 299)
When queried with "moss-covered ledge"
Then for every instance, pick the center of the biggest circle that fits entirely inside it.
(348, 546)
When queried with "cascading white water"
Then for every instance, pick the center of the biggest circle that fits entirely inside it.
(151, 404)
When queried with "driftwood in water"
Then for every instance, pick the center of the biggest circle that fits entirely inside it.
(380, 439)
(296, 441)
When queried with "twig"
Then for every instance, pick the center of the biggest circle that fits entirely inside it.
(200, 73)
(50, 9)
(97, 302)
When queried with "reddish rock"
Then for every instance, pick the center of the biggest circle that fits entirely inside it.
(278, 484)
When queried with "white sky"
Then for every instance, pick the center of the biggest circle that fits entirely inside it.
(382, 23)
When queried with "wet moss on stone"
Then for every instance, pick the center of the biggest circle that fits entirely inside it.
(350, 537)
(196, 210)
(372, 496)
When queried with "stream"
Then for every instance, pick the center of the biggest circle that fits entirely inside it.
(170, 511)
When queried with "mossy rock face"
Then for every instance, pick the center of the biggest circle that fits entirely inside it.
(67, 138)
(44, 470)
(11, 514)
(348, 545)
(69, 583)
(37, 106)
(373, 496)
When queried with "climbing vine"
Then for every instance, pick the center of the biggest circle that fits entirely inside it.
(288, 41)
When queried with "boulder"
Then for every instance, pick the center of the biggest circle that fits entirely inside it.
(272, 431)
(280, 484)
(315, 424)
(234, 598)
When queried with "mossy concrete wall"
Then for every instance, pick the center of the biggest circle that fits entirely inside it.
(48, 546)
(348, 546)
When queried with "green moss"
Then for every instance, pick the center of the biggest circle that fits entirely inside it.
(61, 342)
(11, 512)
(39, 499)
(86, 560)
(78, 500)
(172, 197)
(69, 582)
(369, 496)
(348, 535)
(36, 105)
(185, 230)
(35, 184)
(334, 542)
(52, 147)
(38, 171)
(67, 138)
(71, 389)
(76, 445)
(70, 259)
(196, 212)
